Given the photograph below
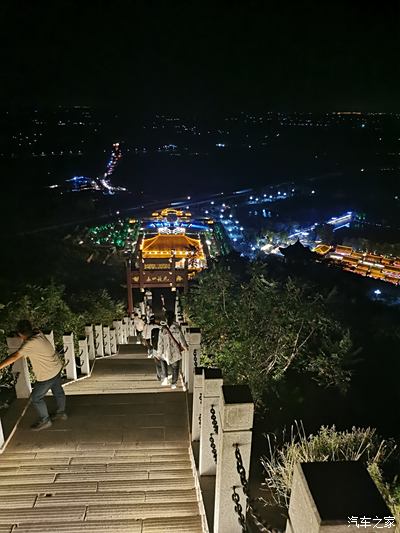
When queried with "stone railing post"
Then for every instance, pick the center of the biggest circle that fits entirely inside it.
(113, 340)
(197, 401)
(125, 329)
(84, 355)
(50, 337)
(336, 497)
(98, 340)
(236, 410)
(212, 382)
(107, 340)
(185, 354)
(69, 355)
(90, 340)
(20, 368)
(193, 358)
(118, 331)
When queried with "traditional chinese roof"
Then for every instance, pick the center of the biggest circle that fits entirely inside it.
(298, 252)
(164, 245)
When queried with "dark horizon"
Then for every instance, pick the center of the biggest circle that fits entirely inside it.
(183, 57)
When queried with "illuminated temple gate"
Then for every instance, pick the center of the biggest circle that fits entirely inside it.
(166, 256)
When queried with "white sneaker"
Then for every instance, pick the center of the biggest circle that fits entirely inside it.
(173, 387)
(164, 382)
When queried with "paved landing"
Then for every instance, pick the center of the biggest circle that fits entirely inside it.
(119, 463)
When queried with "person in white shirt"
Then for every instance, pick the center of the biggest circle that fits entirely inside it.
(46, 366)
(138, 324)
(171, 344)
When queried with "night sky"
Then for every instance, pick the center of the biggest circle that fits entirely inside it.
(202, 56)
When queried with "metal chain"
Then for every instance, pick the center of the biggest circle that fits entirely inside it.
(195, 361)
(214, 420)
(239, 510)
(213, 447)
(250, 507)
(200, 402)
(215, 427)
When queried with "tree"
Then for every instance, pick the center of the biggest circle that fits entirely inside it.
(257, 329)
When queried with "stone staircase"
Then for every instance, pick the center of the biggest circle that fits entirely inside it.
(120, 463)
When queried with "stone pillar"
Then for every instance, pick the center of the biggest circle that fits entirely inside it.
(124, 333)
(84, 356)
(20, 368)
(69, 355)
(106, 340)
(98, 340)
(113, 340)
(193, 356)
(185, 354)
(197, 401)
(50, 337)
(212, 382)
(90, 340)
(126, 328)
(118, 331)
(236, 409)
(335, 497)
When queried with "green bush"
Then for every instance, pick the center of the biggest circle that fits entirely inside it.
(359, 444)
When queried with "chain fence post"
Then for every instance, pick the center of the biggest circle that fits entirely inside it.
(90, 340)
(212, 382)
(84, 355)
(107, 340)
(118, 331)
(185, 353)
(23, 387)
(197, 401)
(113, 341)
(194, 340)
(69, 355)
(98, 340)
(235, 427)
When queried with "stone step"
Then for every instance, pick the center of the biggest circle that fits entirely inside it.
(115, 526)
(137, 457)
(190, 524)
(111, 476)
(98, 512)
(22, 480)
(47, 488)
(101, 448)
(99, 498)
(26, 516)
(153, 525)
(18, 501)
(170, 458)
(94, 467)
(141, 510)
(146, 485)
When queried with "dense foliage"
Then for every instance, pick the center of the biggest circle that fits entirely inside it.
(256, 329)
(48, 308)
